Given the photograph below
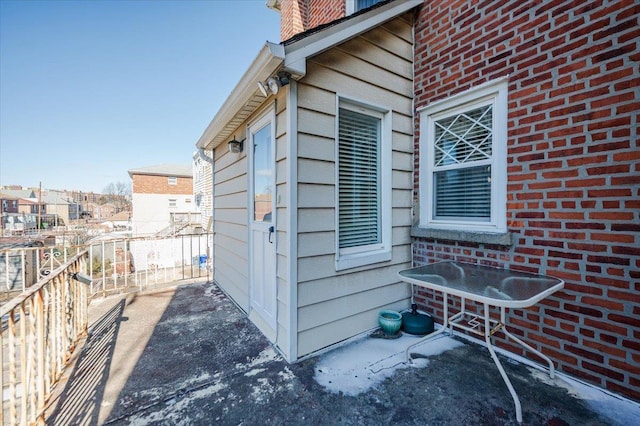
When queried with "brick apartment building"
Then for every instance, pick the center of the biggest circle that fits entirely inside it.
(158, 192)
(572, 166)
(557, 187)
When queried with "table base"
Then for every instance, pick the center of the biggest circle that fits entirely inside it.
(486, 327)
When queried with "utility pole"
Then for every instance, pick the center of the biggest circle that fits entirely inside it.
(39, 207)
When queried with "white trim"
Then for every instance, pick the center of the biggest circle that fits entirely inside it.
(361, 256)
(496, 93)
(292, 232)
(350, 7)
(266, 118)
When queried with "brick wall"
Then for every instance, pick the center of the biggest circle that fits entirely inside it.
(150, 184)
(300, 15)
(573, 166)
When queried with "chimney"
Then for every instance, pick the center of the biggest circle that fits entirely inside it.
(297, 16)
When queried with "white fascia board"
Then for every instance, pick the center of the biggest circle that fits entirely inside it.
(263, 66)
(296, 53)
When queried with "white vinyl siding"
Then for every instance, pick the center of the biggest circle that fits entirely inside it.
(337, 297)
(463, 161)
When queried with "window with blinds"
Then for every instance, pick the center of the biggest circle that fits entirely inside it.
(359, 204)
(462, 169)
(463, 143)
(353, 6)
(363, 4)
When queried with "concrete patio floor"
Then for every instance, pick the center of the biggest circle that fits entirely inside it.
(187, 355)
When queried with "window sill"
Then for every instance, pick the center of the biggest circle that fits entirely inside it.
(500, 239)
(362, 259)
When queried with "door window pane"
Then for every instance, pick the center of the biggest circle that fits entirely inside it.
(262, 175)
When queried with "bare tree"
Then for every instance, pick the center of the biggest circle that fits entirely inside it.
(119, 194)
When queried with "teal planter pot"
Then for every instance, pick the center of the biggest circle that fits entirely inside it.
(390, 321)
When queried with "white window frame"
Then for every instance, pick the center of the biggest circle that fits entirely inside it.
(172, 180)
(350, 7)
(173, 203)
(495, 93)
(353, 257)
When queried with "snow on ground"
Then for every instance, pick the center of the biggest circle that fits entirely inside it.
(363, 363)
(619, 410)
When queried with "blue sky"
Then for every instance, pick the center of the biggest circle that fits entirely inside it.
(91, 89)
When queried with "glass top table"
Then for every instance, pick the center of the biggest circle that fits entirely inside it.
(498, 287)
(491, 287)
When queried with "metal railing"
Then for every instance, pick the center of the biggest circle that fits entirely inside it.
(40, 328)
(133, 264)
(43, 322)
(115, 264)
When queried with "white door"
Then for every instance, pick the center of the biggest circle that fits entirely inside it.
(262, 220)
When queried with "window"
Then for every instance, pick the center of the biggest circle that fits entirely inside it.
(364, 188)
(463, 143)
(172, 180)
(354, 6)
(173, 203)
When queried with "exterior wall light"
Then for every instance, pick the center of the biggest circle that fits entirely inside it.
(273, 84)
(235, 146)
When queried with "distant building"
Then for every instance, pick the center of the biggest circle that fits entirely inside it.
(202, 187)
(161, 194)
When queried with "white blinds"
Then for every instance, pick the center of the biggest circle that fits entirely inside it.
(359, 206)
(462, 165)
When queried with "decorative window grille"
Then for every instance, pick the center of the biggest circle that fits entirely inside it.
(462, 169)
(463, 143)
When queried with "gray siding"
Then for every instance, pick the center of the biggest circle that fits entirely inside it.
(376, 68)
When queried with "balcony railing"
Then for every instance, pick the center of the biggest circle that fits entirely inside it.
(115, 264)
(39, 331)
(43, 322)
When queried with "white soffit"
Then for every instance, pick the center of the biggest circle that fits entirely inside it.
(242, 101)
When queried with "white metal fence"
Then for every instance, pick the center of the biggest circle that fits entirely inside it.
(40, 328)
(115, 263)
(136, 263)
(44, 307)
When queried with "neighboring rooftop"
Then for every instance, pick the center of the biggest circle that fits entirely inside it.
(183, 170)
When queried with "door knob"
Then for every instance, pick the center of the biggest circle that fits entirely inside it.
(271, 231)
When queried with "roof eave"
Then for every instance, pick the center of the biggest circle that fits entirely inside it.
(297, 52)
(246, 98)
(246, 92)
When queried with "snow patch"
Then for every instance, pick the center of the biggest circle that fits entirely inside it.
(254, 372)
(618, 410)
(267, 355)
(363, 364)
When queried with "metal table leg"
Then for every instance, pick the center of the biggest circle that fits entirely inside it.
(487, 338)
(445, 324)
(524, 345)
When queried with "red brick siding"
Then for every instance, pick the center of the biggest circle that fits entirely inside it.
(300, 15)
(573, 166)
(150, 184)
